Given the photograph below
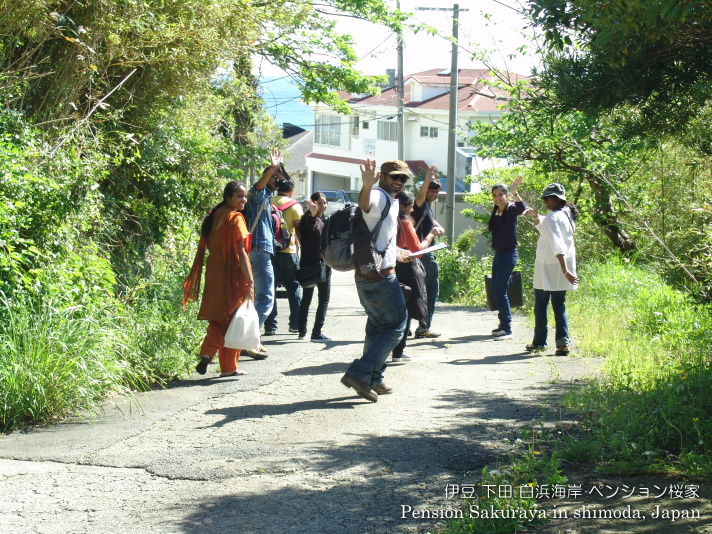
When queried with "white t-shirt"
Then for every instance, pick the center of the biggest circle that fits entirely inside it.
(387, 235)
(556, 236)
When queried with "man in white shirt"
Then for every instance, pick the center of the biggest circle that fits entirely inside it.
(381, 298)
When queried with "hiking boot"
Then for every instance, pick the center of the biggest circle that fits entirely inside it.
(362, 388)
(562, 351)
(402, 358)
(383, 389)
(202, 366)
(535, 348)
(421, 334)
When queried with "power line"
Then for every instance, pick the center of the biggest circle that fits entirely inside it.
(509, 7)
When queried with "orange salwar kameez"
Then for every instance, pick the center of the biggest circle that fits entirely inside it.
(225, 286)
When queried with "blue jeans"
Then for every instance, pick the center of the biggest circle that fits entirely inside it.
(398, 351)
(432, 286)
(285, 270)
(502, 267)
(263, 274)
(307, 294)
(385, 308)
(541, 305)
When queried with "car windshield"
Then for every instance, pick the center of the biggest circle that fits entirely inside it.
(352, 195)
(333, 196)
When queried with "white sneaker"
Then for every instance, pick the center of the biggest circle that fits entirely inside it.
(402, 358)
(501, 335)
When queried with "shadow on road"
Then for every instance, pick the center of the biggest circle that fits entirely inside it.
(381, 468)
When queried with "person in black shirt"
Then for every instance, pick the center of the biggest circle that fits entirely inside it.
(503, 225)
(424, 223)
(310, 228)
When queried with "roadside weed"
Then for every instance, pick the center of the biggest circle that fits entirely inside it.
(56, 360)
(506, 497)
(650, 410)
(59, 359)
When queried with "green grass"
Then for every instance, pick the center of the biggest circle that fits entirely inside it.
(55, 361)
(651, 410)
(160, 340)
(511, 489)
(58, 359)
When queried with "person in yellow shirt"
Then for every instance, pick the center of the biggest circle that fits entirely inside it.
(286, 261)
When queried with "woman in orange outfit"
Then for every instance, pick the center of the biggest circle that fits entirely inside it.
(228, 276)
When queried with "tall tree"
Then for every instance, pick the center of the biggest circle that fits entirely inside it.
(166, 93)
(651, 59)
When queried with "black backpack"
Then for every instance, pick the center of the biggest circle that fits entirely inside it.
(348, 244)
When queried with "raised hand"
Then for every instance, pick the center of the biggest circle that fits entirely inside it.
(531, 212)
(313, 208)
(432, 174)
(515, 184)
(369, 175)
(275, 156)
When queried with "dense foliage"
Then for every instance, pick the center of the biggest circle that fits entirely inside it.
(648, 59)
(650, 409)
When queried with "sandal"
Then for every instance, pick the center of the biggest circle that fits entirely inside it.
(562, 351)
(239, 372)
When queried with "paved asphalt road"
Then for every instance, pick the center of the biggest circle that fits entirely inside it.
(287, 448)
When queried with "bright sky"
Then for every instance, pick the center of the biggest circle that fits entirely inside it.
(503, 33)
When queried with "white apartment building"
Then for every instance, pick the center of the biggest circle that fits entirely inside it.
(342, 142)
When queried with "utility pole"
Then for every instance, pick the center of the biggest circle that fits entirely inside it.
(400, 88)
(452, 125)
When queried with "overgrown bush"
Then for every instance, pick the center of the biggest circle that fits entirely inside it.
(159, 338)
(462, 275)
(57, 360)
(651, 407)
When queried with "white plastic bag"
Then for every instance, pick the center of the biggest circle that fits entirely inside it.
(244, 330)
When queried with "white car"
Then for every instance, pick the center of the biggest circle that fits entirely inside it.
(338, 198)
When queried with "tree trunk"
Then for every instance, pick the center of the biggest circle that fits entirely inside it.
(605, 216)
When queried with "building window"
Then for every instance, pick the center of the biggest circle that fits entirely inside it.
(428, 131)
(327, 130)
(354, 126)
(364, 125)
(388, 131)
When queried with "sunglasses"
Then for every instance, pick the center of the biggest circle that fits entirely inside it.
(402, 177)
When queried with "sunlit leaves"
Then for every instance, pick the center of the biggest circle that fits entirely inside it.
(653, 56)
